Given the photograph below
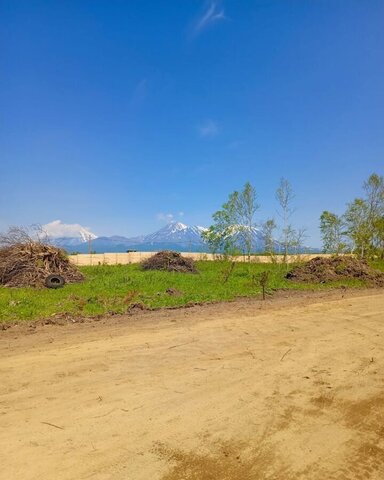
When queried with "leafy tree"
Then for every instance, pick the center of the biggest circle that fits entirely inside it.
(246, 207)
(374, 190)
(364, 218)
(268, 228)
(219, 235)
(356, 219)
(285, 196)
(234, 223)
(332, 232)
(216, 240)
(379, 231)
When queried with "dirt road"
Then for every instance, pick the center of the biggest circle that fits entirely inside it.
(292, 390)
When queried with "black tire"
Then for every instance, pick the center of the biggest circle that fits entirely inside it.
(54, 281)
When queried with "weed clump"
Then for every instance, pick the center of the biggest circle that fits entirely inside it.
(169, 261)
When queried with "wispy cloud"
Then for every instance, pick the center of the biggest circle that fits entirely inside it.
(209, 128)
(169, 217)
(212, 14)
(165, 217)
(139, 93)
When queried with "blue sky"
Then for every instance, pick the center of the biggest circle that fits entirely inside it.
(119, 114)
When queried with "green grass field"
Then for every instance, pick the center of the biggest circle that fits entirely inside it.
(114, 289)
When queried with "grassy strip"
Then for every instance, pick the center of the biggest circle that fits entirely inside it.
(378, 265)
(114, 289)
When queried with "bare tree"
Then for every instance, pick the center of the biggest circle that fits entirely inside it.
(16, 235)
(298, 239)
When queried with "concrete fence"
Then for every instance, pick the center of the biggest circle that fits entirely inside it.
(137, 257)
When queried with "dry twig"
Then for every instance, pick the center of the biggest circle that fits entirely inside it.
(27, 262)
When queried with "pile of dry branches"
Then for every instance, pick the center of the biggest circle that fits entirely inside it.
(27, 261)
(170, 261)
(323, 270)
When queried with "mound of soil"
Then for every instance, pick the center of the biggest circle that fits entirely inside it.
(322, 270)
(29, 264)
(173, 292)
(169, 261)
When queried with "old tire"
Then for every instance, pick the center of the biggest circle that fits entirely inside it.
(54, 281)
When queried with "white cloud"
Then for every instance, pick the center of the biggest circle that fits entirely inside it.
(209, 128)
(165, 217)
(169, 217)
(211, 15)
(59, 229)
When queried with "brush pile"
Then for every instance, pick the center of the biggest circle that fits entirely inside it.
(323, 270)
(170, 262)
(25, 262)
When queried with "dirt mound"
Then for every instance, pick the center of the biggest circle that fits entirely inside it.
(173, 292)
(322, 270)
(29, 264)
(169, 261)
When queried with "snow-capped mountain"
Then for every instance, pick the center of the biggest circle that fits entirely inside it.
(238, 234)
(62, 234)
(73, 241)
(173, 236)
(176, 232)
(68, 241)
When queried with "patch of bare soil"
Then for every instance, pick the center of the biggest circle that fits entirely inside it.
(323, 270)
(226, 461)
(239, 391)
(169, 261)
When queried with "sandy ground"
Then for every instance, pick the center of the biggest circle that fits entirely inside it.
(243, 391)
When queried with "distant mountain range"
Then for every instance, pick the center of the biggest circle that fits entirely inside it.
(174, 236)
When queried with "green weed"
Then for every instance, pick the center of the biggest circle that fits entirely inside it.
(114, 289)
